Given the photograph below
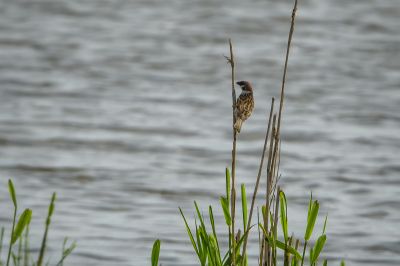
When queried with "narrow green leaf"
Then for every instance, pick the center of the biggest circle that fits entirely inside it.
(311, 220)
(284, 221)
(309, 207)
(12, 193)
(319, 245)
(190, 233)
(200, 244)
(24, 219)
(325, 262)
(244, 206)
(155, 253)
(342, 263)
(228, 184)
(200, 217)
(283, 246)
(210, 212)
(324, 229)
(66, 251)
(51, 206)
(225, 208)
(264, 211)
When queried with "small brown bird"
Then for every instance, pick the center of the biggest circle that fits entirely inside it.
(244, 104)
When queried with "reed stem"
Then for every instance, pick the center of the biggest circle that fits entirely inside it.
(233, 171)
(258, 177)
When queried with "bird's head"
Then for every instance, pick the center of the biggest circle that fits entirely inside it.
(245, 86)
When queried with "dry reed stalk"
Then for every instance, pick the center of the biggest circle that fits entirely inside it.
(275, 229)
(258, 176)
(233, 172)
(286, 64)
(266, 253)
(273, 170)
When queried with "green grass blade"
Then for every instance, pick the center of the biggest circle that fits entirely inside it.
(23, 221)
(244, 206)
(14, 199)
(12, 193)
(325, 262)
(202, 224)
(319, 245)
(311, 220)
(210, 212)
(228, 184)
(290, 249)
(225, 209)
(1, 241)
(324, 229)
(190, 234)
(309, 207)
(283, 209)
(342, 263)
(66, 251)
(26, 246)
(155, 252)
(46, 231)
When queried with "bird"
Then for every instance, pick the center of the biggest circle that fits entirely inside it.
(244, 104)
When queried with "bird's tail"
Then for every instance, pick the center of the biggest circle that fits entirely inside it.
(238, 125)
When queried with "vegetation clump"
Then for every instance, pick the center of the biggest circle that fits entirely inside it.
(292, 250)
(19, 252)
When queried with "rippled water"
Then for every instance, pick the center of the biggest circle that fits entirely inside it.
(123, 108)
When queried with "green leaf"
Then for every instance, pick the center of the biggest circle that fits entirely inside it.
(342, 263)
(190, 233)
(51, 206)
(319, 245)
(200, 217)
(264, 211)
(283, 208)
(155, 253)
(244, 207)
(312, 217)
(325, 262)
(12, 193)
(24, 219)
(309, 207)
(210, 211)
(324, 229)
(66, 251)
(228, 183)
(225, 208)
(283, 246)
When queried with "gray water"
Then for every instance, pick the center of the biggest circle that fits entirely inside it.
(123, 107)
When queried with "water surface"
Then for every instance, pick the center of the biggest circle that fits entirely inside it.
(123, 107)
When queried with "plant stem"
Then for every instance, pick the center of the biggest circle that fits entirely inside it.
(12, 232)
(304, 252)
(233, 173)
(258, 177)
(268, 188)
(286, 64)
(44, 240)
(26, 247)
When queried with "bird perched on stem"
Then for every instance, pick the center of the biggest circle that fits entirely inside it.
(244, 104)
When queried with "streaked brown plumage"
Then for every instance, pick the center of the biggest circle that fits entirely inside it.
(244, 104)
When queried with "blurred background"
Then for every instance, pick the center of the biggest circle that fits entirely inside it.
(123, 108)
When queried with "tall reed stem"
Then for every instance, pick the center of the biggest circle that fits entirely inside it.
(286, 64)
(12, 232)
(233, 174)
(258, 177)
